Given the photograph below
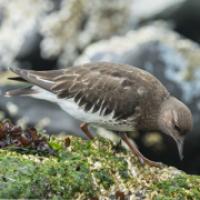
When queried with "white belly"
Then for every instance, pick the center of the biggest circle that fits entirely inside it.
(95, 118)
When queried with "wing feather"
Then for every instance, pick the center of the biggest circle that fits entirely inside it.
(99, 87)
(96, 92)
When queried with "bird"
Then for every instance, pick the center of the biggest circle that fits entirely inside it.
(121, 98)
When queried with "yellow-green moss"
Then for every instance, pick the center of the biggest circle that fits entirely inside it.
(89, 169)
(182, 187)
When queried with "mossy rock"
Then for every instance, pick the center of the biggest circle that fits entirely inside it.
(83, 169)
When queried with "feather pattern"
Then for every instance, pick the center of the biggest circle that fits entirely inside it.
(104, 88)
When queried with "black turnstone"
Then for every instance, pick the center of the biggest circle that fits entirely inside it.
(118, 97)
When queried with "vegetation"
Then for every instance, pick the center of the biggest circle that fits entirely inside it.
(89, 169)
(35, 166)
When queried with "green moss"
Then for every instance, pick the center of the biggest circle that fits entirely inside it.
(88, 169)
(104, 178)
(64, 175)
(182, 187)
(46, 178)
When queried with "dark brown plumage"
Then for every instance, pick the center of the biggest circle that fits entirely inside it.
(119, 97)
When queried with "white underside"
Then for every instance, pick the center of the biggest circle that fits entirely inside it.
(72, 108)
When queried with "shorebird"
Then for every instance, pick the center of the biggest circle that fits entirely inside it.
(118, 97)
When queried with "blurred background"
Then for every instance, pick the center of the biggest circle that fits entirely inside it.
(161, 37)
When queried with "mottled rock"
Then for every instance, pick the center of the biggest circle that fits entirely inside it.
(44, 32)
(77, 23)
(19, 27)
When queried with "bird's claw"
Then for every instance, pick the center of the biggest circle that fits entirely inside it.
(150, 162)
(141, 160)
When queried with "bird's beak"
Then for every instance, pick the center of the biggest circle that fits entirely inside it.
(180, 143)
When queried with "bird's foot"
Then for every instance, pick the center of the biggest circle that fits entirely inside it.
(143, 160)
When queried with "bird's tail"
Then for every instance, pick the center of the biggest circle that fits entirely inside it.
(20, 92)
(26, 91)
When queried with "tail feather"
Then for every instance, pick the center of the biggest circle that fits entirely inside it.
(39, 78)
(18, 71)
(21, 92)
(17, 78)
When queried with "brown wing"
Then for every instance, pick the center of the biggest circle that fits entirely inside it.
(108, 87)
(95, 92)
(99, 86)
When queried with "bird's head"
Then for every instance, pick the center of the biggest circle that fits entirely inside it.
(175, 119)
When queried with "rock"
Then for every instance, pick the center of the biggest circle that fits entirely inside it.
(19, 28)
(55, 31)
(42, 114)
(170, 57)
(158, 8)
(182, 14)
(77, 23)
(89, 170)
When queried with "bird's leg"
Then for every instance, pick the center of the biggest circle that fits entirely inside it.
(136, 152)
(84, 128)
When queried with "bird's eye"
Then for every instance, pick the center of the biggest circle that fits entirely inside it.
(177, 128)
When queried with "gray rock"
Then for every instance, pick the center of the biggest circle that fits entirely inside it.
(164, 9)
(184, 15)
(18, 31)
(57, 30)
(79, 22)
(157, 8)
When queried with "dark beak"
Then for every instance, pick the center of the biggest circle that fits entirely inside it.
(180, 144)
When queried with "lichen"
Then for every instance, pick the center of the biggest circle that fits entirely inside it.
(83, 169)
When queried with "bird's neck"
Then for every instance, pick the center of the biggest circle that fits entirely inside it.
(148, 122)
(150, 119)
(165, 114)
